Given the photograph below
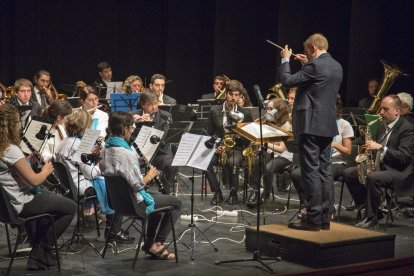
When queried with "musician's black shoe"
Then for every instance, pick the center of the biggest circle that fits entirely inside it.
(217, 199)
(350, 207)
(368, 223)
(325, 226)
(121, 237)
(304, 225)
(233, 199)
(252, 199)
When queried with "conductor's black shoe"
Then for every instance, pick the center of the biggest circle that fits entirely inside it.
(325, 226)
(303, 225)
(217, 199)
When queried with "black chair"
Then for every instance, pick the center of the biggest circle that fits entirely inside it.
(123, 201)
(66, 179)
(8, 216)
(350, 162)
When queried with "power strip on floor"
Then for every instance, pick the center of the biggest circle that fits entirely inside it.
(227, 213)
(188, 217)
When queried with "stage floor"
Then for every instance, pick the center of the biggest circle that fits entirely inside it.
(227, 235)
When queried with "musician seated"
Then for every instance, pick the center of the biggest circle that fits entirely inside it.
(23, 97)
(291, 100)
(132, 84)
(277, 157)
(42, 90)
(90, 101)
(341, 146)
(21, 182)
(56, 112)
(87, 177)
(159, 119)
(222, 116)
(219, 83)
(157, 86)
(392, 150)
(372, 91)
(119, 159)
(407, 106)
(244, 99)
(105, 75)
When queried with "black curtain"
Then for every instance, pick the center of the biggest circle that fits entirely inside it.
(190, 41)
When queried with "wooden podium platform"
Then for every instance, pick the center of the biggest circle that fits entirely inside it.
(341, 245)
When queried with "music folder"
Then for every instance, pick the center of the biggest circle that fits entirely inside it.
(87, 144)
(143, 141)
(192, 152)
(30, 132)
(271, 133)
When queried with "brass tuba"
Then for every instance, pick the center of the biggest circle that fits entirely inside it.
(276, 91)
(391, 72)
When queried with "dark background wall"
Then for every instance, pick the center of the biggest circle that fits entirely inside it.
(190, 41)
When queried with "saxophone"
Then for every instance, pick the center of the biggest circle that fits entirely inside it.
(249, 154)
(228, 143)
(365, 159)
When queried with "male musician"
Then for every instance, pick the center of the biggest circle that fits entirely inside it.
(157, 86)
(407, 106)
(42, 92)
(314, 125)
(161, 120)
(372, 90)
(218, 120)
(23, 88)
(218, 85)
(393, 148)
(291, 98)
(105, 75)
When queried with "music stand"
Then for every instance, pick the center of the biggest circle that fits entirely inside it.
(257, 134)
(193, 153)
(124, 102)
(204, 107)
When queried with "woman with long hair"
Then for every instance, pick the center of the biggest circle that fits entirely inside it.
(19, 180)
(119, 159)
(90, 101)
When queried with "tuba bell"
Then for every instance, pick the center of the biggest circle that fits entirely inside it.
(391, 72)
(8, 92)
(276, 91)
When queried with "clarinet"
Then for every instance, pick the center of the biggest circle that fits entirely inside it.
(52, 177)
(147, 167)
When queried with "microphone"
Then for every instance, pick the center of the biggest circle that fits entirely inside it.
(41, 135)
(210, 142)
(154, 139)
(259, 96)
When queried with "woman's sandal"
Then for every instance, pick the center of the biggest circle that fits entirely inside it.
(163, 254)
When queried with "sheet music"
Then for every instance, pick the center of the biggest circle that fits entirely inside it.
(87, 143)
(268, 131)
(192, 152)
(113, 87)
(144, 143)
(30, 133)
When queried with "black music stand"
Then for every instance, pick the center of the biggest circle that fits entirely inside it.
(257, 256)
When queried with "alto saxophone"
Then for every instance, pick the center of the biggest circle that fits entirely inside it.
(365, 159)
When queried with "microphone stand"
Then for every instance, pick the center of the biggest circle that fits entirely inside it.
(257, 256)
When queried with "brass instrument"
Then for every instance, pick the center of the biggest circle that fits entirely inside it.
(228, 143)
(8, 92)
(236, 116)
(391, 72)
(365, 159)
(249, 154)
(276, 91)
(57, 95)
(222, 94)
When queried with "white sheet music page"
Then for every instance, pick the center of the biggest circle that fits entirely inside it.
(30, 133)
(202, 155)
(268, 131)
(87, 143)
(144, 143)
(187, 144)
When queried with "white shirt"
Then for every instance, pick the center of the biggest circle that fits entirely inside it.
(49, 148)
(345, 130)
(102, 122)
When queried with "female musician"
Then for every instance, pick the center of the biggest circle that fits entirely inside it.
(90, 181)
(341, 145)
(18, 179)
(277, 157)
(244, 99)
(57, 112)
(89, 101)
(132, 84)
(119, 159)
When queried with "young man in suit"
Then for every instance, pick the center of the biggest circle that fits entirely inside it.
(159, 119)
(393, 149)
(105, 75)
(157, 85)
(314, 125)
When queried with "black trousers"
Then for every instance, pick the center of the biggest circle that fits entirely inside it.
(315, 165)
(163, 163)
(63, 210)
(368, 195)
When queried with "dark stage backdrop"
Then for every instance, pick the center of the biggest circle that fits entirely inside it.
(190, 41)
